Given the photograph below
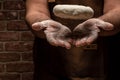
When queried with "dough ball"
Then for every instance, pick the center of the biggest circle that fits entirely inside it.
(73, 11)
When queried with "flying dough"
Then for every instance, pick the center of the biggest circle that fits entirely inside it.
(73, 11)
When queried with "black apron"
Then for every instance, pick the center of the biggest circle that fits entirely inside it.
(52, 63)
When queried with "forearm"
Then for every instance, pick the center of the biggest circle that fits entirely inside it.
(112, 16)
(36, 11)
(36, 17)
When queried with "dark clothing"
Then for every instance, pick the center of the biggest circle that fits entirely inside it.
(54, 63)
(113, 44)
(50, 63)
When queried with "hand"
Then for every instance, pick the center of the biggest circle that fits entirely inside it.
(56, 33)
(87, 31)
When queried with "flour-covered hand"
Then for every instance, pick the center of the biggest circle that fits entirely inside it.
(87, 32)
(56, 33)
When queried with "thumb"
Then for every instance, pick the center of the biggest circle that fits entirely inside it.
(37, 26)
(108, 26)
(105, 25)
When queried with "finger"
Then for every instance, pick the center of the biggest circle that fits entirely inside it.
(51, 39)
(56, 42)
(81, 42)
(64, 43)
(74, 42)
(70, 41)
(92, 37)
(78, 27)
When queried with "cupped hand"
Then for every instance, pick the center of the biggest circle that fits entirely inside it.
(87, 32)
(56, 33)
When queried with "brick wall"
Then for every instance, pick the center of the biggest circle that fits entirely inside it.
(16, 42)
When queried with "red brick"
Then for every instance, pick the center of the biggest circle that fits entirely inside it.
(27, 56)
(22, 15)
(19, 67)
(0, 5)
(9, 36)
(16, 42)
(8, 57)
(27, 76)
(9, 76)
(14, 5)
(2, 25)
(8, 15)
(27, 35)
(17, 25)
(1, 46)
(1, 68)
(19, 46)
